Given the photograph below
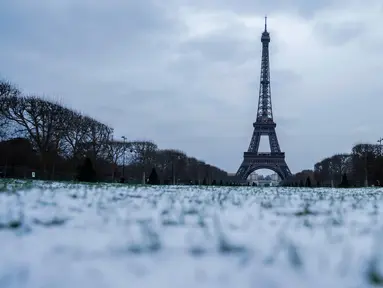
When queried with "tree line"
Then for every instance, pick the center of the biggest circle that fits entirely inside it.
(45, 139)
(362, 167)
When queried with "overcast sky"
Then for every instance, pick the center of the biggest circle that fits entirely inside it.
(185, 73)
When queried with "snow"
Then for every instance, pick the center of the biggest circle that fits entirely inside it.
(111, 235)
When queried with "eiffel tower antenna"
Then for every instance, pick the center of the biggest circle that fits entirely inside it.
(264, 125)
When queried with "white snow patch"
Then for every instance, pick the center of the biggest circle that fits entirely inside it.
(73, 235)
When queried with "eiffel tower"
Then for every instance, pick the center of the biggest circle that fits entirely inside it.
(264, 125)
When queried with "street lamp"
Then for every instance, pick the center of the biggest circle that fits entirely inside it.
(123, 161)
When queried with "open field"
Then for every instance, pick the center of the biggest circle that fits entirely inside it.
(105, 235)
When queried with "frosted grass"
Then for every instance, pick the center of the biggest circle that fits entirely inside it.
(105, 235)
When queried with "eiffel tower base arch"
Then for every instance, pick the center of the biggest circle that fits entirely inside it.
(254, 161)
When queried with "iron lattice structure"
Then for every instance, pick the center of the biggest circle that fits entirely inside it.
(264, 125)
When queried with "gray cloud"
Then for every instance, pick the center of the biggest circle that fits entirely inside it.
(339, 34)
(304, 8)
(186, 74)
(225, 45)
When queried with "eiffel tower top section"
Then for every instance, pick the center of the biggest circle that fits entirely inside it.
(265, 110)
(265, 35)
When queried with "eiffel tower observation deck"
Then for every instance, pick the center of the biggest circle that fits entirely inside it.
(264, 125)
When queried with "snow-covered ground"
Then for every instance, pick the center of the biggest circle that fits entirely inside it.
(72, 235)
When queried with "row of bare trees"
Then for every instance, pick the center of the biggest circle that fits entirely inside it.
(46, 137)
(362, 167)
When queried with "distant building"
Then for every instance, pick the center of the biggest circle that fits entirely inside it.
(275, 177)
(269, 180)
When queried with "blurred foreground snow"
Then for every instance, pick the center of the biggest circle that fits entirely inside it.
(72, 235)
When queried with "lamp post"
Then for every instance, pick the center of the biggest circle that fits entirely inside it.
(123, 161)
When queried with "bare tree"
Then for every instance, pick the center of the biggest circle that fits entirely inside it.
(193, 169)
(116, 153)
(364, 164)
(364, 161)
(144, 152)
(39, 120)
(98, 137)
(7, 90)
(162, 162)
(75, 135)
(179, 166)
(172, 165)
(341, 165)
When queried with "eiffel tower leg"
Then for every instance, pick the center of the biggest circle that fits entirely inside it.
(243, 171)
(285, 171)
(273, 140)
(254, 143)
